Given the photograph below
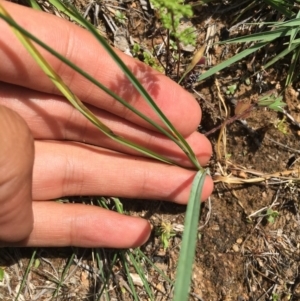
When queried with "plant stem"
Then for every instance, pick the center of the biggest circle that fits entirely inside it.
(232, 119)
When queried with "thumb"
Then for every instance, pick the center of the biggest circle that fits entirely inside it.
(16, 164)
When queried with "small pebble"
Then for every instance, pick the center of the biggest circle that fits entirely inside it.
(215, 227)
(235, 248)
(239, 241)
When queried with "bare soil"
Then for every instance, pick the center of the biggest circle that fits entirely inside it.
(242, 254)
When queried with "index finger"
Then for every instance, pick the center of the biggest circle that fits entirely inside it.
(81, 48)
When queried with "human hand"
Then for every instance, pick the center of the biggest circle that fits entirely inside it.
(49, 150)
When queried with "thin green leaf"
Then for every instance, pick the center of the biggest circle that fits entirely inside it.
(189, 240)
(119, 205)
(63, 276)
(2, 273)
(125, 264)
(134, 256)
(37, 263)
(24, 279)
(162, 274)
(265, 36)
(279, 56)
(62, 8)
(294, 31)
(232, 60)
(139, 269)
(74, 100)
(291, 72)
(282, 6)
(34, 4)
(287, 24)
(102, 203)
(272, 102)
(296, 41)
(183, 145)
(105, 276)
(241, 12)
(180, 140)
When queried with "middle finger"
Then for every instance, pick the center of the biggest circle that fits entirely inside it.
(51, 117)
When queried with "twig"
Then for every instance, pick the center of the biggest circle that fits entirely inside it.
(291, 118)
(232, 119)
(207, 215)
(282, 145)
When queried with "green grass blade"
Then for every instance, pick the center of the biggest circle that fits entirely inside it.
(88, 77)
(106, 276)
(291, 73)
(63, 276)
(26, 274)
(183, 145)
(260, 36)
(139, 269)
(133, 256)
(102, 203)
(297, 41)
(295, 31)
(75, 101)
(2, 273)
(293, 35)
(247, 8)
(281, 6)
(34, 4)
(281, 55)
(287, 24)
(162, 274)
(189, 240)
(232, 60)
(62, 8)
(118, 204)
(178, 137)
(126, 267)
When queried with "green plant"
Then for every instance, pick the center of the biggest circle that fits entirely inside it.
(282, 125)
(170, 14)
(231, 89)
(146, 57)
(2, 272)
(131, 260)
(283, 6)
(30, 264)
(136, 48)
(271, 215)
(272, 102)
(151, 61)
(189, 240)
(174, 49)
(166, 232)
(287, 31)
(121, 17)
(275, 297)
(173, 45)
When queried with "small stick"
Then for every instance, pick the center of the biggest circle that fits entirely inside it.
(232, 119)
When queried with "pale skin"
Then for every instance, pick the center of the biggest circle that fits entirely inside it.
(48, 150)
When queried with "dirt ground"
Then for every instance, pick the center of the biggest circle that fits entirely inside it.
(249, 237)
